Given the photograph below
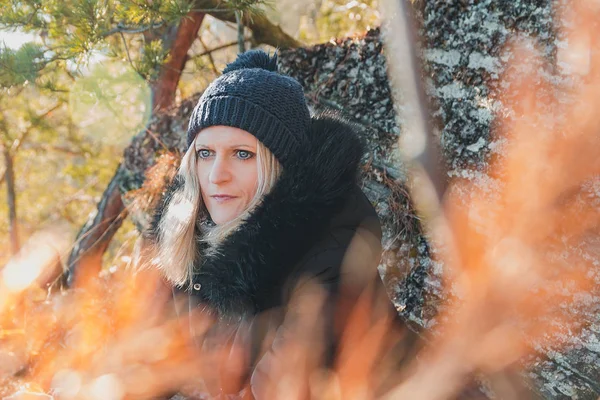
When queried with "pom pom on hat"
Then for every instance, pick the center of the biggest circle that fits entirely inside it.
(253, 59)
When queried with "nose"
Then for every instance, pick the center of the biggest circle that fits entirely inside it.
(219, 172)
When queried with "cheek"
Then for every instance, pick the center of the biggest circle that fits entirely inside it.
(203, 174)
(249, 180)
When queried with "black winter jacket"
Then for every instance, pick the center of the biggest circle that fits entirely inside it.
(301, 232)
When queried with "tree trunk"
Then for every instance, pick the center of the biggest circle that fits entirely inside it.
(95, 236)
(12, 201)
(179, 40)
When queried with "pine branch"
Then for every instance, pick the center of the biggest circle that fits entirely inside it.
(120, 28)
(127, 51)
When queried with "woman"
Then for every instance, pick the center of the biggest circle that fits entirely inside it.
(264, 203)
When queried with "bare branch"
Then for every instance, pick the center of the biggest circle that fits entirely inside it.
(127, 51)
(263, 30)
(221, 47)
(120, 28)
(58, 149)
(240, 31)
(419, 142)
(17, 143)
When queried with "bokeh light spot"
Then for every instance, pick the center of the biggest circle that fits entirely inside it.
(111, 104)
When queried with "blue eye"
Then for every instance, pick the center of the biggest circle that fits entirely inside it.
(244, 155)
(203, 153)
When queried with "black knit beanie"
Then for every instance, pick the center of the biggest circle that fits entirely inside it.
(253, 96)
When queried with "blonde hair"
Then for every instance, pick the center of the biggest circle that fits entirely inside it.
(178, 244)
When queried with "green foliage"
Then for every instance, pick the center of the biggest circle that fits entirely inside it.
(249, 8)
(151, 12)
(153, 56)
(75, 29)
(18, 67)
(24, 14)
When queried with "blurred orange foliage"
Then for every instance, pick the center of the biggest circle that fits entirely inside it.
(118, 336)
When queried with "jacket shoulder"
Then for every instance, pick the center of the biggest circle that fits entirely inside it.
(349, 248)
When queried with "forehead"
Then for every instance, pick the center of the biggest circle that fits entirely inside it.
(222, 135)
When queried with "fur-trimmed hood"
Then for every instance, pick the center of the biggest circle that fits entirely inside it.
(256, 259)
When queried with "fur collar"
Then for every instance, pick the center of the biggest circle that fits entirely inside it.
(284, 227)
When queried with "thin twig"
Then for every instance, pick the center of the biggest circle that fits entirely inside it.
(127, 51)
(17, 143)
(221, 47)
(58, 149)
(162, 144)
(209, 54)
(419, 145)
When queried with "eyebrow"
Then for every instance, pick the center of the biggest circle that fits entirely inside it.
(233, 146)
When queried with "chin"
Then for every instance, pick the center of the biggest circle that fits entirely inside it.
(223, 213)
(223, 217)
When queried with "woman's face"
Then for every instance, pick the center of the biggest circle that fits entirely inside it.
(227, 169)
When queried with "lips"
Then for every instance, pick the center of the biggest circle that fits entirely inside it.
(221, 198)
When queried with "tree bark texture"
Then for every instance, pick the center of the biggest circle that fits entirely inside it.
(95, 236)
(165, 87)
